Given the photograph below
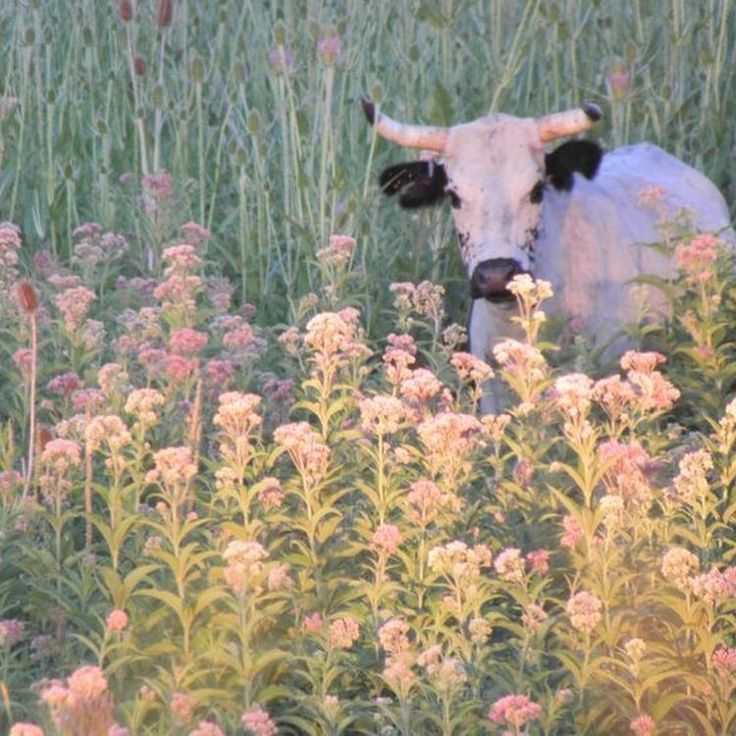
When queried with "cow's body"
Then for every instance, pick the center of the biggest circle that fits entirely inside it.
(569, 217)
(596, 238)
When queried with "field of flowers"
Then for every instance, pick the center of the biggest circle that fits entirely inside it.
(244, 484)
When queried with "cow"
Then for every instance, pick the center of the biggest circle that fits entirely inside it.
(572, 216)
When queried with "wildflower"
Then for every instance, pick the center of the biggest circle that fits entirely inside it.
(538, 560)
(117, 620)
(73, 304)
(270, 493)
(615, 396)
(573, 394)
(399, 676)
(11, 632)
(332, 336)
(677, 565)
(244, 563)
(618, 80)
(331, 705)
(711, 587)
(393, 636)
(207, 728)
(635, 648)
(338, 251)
(419, 386)
(236, 415)
(530, 290)
(509, 565)
(426, 500)
(520, 357)
(308, 453)
(724, 662)
(697, 258)
(514, 710)
(84, 704)
(691, 483)
(533, 617)
(427, 299)
(281, 60)
(219, 372)
(458, 561)
(25, 729)
(64, 384)
(116, 730)
(313, 622)
(626, 472)
(643, 725)
(573, 531)
(187, 341)
(382, 415)
(563, 696)
(454, 335)
(470, 368)
(649, 197)
(178, 368)
(173, 465)
(385, 540)
(61, 454)
(111, 377)
(109, 429)
(10, 480)
(194, 234)
(141, 403)
(448, 437)
(278, 578)
(651, 389)
(181, 707)
(584, 610)
(239, 337)
(258, 722)
(480, 630)
(343, 633)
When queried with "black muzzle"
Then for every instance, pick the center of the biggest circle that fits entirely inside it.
(491, 277)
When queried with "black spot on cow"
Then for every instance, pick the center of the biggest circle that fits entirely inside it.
(537, 193)
(420, 183)
(455, 201)
(581, 156)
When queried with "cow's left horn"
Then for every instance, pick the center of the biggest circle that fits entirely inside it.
(570, 122)
(413, 136)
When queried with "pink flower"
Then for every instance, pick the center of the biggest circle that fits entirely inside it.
(117, 620)
(194, 233)
(538, 560)
(724, 662)
(385, 540)
(25, 729)
(338, 251)
(393, 636)
(697, 258)
(178, 368)
(343, 633)
(420, 386)
(382, 415)
(573, 531)
(258, 722)
(584, 610)
(186, 340)
(308, 453)
(533, 617)
(11, 632)
(207, 728)
(313, 623)
(61, 454)
(182, 708)
(64, 384)
(244, 563)
(470, 368)
(677, 565)
(173, 465)
(514, 710)
(426, 500)
(509, 565)
(74, 304)
(270, 493)
(643, 725)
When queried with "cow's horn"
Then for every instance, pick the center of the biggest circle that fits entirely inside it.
(412, 136)
(570, 122)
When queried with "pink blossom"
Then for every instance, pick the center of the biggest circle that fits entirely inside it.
(22, 360)
(117, 620)
(584, 610)
(643, 725)
(538, 560)
(533, 617)
(509, 565)
(11, 632)
(194, 233)
(426, 501)
(25, 729)
(343, 633)
(724, 662)
(420, 385)
(270, 493)
(182, 708)
(470, 368)
(73, 304)
(308, 453)
(382, 415)
(258, 722)
(313, 623)
(678, 564)
(385, 540)
(393, 636)
(173, 465)
(697, 258)
(514, 710)
(61, 454)
(178, 368)
(573, 531)
(219, 372)
(187, 341)
(207, 728)
(338, 252)
(244, 563)
(64, 384)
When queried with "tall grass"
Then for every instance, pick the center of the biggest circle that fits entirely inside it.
(275, 159)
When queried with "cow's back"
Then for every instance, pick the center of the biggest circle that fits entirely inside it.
(593, 240)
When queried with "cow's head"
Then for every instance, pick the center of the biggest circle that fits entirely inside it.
(494, 172)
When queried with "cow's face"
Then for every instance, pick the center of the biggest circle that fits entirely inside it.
(493, 171)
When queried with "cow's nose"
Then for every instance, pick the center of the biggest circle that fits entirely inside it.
(491, 277)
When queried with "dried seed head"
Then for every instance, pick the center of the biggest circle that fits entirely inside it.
(164, 14)
(125, 10)
(139, 66)
(26, 295)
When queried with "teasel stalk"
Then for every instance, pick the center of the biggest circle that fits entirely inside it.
(28, 302)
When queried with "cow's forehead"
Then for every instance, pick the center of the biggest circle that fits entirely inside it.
(496, 136)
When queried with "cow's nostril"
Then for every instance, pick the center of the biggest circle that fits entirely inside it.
(491, 277)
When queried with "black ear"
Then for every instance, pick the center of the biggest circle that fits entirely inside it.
(421, 183)
(582, 156)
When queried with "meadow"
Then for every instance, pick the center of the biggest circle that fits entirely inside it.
(244, 484)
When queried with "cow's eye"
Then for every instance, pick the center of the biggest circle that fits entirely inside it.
(537, 193)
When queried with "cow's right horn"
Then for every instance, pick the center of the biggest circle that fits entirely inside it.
(413, 136)
(570, 122)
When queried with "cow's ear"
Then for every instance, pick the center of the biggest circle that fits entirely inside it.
(581, 156)
(420, 183)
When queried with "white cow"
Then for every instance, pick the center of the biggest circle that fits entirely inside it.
(516, 211)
